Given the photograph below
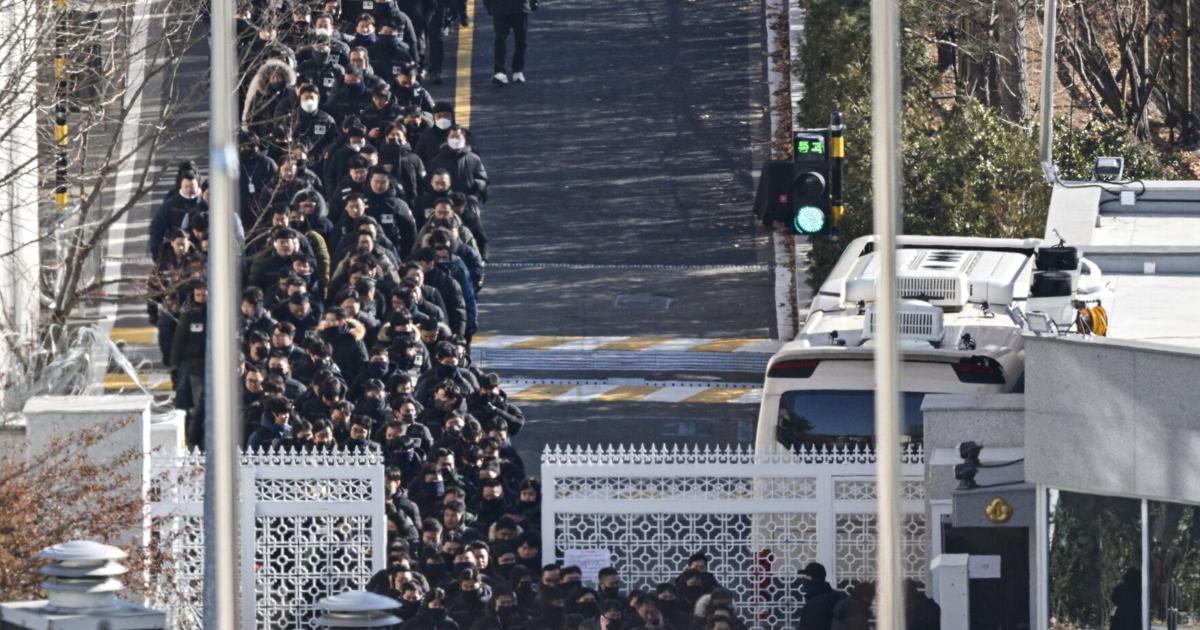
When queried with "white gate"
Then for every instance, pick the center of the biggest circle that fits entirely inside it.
(311, 525)
(759, 517)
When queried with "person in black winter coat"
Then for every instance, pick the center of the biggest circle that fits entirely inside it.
(854, 611)
(346, 336)
(187, 359)
(504, 614)
(321, 65)
(393, 215)
(467, 174)
(431, 139)
(819, 598)
(311, 126)
(510, 16)
(380, 112)
(175, 208)
(408, 90)
(921, 612)
(1127, 598)
(397, 156)
(433, 614)
(491, 407)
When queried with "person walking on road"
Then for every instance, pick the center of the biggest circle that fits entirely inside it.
(510, 16)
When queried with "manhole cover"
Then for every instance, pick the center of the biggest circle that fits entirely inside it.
(642, 301)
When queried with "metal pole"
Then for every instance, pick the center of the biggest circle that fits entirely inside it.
(221, 554)
(1145, 565)
(61, 128)
(885, 147)
(1041, 532)
(1048, 35)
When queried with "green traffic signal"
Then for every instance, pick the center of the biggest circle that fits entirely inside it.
(809, 220)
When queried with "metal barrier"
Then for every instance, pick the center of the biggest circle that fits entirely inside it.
(760, 517)
(314, 523)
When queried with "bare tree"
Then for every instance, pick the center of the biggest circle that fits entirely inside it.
(1110, 56)
(91, 96)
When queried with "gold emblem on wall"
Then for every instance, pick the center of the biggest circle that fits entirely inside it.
(998, 511)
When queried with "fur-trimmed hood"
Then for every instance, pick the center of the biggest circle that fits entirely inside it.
(258, 85)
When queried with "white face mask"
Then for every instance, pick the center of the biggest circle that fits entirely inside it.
(456, 143)
(324, 31)
(443, 123)
(357, 146)
(309, 105)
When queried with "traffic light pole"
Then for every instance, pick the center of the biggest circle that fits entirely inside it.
(885, 146)
(837, 155)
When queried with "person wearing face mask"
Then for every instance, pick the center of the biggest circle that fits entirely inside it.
(473, 598)
(398, 159)
(820, 598)
(404, 412)
(504, 614)
(299, 29)
(410, 601)
(258, 173)
(446, 383)
(552, 602)
(311, 126)
(408, 90)
(467, 173)
(433, 137)
(270, 99)
(174, 208)
(346, 337)
(337, 165)
(433, 614)
(392, 50)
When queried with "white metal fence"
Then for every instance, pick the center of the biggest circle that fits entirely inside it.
(311, 525)
(760, 517)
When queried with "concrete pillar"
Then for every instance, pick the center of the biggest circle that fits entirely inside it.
(358, 610)
(82, 584)
(950, 588)
(126, 421)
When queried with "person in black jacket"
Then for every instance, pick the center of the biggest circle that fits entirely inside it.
(187, 359)
(311, 126)
(819, 598)
(393, 215)
(467, 174)
(175, 208)
(510, 16)
(1126, 597)
(346, 336)
(921, 612)
(408, 90)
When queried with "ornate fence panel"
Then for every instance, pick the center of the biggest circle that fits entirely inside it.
(760, 517)
(311, 525)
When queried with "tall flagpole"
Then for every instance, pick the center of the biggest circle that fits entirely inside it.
(221, 554)
(885, 145)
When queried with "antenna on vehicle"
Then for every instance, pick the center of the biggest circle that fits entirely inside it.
(1062, 242)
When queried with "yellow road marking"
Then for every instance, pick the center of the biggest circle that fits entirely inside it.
(541, 343)
(482, 337)
(138, 336)
(718, 395)
(462, 71)
(626, 393)
(634, 344)
(721, 345)
(543, 392)
(116, 382)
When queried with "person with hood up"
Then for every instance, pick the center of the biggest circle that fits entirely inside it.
(819, 598)
(467, 173)
(270, 98)
(345, 335)
(433, 614)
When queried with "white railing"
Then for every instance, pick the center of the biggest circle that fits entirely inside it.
(312, 525)
(760, 516)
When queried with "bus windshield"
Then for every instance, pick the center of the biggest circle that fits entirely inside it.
(839, 417)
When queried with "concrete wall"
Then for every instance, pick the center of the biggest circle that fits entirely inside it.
(1113, 417)
(50, 418)
(997, 422)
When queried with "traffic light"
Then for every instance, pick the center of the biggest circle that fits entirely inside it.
(966, 471)
(810, 182)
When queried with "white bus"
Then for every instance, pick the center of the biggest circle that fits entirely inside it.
(965, 303)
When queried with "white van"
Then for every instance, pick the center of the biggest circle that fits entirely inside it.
(965, 304)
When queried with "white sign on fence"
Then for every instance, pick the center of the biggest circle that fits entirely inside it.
(589, 561)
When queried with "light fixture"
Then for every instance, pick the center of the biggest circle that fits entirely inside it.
(1108, 168)
(1040, 323)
